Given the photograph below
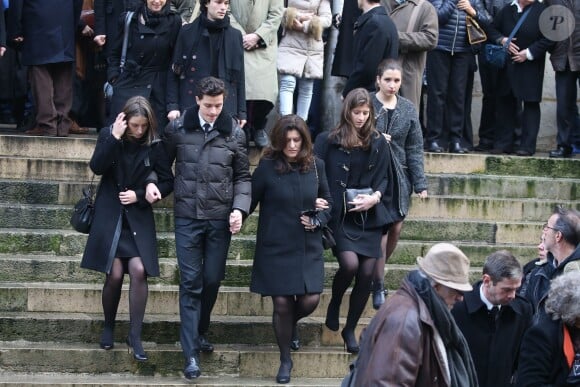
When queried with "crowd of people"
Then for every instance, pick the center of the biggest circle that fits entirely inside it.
(192, 89)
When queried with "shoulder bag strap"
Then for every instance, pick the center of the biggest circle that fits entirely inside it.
(414, 15)
(517, 27)
(128, 18)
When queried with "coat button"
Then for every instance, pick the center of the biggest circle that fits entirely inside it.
(141, 37)
(134, 233)
(193, 69)
(189, 92)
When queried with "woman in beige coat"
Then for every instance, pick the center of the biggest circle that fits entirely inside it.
(258, 21)
(301, 52)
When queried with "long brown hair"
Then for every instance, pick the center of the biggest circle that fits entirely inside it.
(278, 140)
(140, 107)
(345, 133)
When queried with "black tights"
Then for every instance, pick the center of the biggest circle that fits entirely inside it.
(138, 291)
(288, 310)
(351, 266)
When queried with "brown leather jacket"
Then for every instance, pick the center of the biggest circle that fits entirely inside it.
(398, 347)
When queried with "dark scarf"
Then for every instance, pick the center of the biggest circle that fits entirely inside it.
(152, 19)
(461, 368)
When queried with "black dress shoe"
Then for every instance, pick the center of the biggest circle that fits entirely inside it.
(284, 372)
(378, 295)
(205, 345)
(261, 138)
(434, 147)
(295, 342)
(523, 153)
(562, 151)
(483, 147)
(349, 339)
(457, 148)
(192, 369)
(137, 349)
(106, 341)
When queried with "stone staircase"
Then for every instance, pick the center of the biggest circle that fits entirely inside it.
(50, 309)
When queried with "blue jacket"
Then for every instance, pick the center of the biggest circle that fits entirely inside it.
(452, 32)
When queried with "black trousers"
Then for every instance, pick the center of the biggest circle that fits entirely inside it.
(505, 134)
(202, 248)
(489, 77)
(447, 77)
(567, 83)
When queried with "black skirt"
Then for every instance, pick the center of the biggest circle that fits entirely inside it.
(351, 235)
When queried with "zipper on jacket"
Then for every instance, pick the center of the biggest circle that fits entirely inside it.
(456, 30)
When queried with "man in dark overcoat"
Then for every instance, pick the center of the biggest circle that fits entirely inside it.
(493, 320)
(212, 193)
(107, 14)
(46, 30)
(375, 38)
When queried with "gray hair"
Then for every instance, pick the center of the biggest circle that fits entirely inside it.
(568, 223)
(502, 265)
(564, 298)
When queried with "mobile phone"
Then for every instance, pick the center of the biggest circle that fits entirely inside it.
(310, 213)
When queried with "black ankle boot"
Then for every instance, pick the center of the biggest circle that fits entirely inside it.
(378, 295)
(295, 342)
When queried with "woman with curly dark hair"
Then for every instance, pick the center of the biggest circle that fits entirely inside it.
(289, 184)
(356, 157)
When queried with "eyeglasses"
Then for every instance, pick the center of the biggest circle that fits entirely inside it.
(545, 226)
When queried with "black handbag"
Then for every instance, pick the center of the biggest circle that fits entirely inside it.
(351, 193)
(497, 55)
(84, 211)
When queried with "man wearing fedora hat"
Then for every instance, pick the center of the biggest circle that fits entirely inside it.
(413, 340)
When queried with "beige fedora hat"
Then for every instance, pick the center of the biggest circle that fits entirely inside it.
(447, 265)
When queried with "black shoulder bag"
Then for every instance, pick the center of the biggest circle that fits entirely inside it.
(84, 211)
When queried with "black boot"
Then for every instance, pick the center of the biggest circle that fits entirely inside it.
(378, 294)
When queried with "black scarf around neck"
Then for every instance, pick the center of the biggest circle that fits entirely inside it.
(461, 367)
(152, 19)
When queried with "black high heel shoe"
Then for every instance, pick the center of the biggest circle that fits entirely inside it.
(106, 341)
(137, 349)
(284, 372)
(332, 313)
(350, 343)
(295, 342)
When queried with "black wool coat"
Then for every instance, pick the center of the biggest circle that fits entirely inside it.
(494, 350)
(542, 361)
(149, 53)
(375, 38)
(106, 229)
(337, 162)
(107, 13)
(288, 259)
(48, 29)
(524, 80)
(191, 63)
(343, 58)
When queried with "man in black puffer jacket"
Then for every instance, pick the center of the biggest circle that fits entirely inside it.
(212, 193)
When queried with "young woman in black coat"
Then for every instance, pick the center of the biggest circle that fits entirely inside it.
(122, 237)
(153, 34)
(289, 184)
(356, 156)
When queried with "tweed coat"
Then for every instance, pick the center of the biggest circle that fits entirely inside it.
(300, 53)
(567, 50)
(263, 18)
(406, 147)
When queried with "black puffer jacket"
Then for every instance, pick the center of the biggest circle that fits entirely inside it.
(212, 174)
(452, 32)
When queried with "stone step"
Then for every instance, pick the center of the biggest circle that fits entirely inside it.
(39, 216)
(22, 379)
(539, 188)
(163, 300)
(58, 261)
(167, 360)
(89, 380)
(22, 158)
(86, 328)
